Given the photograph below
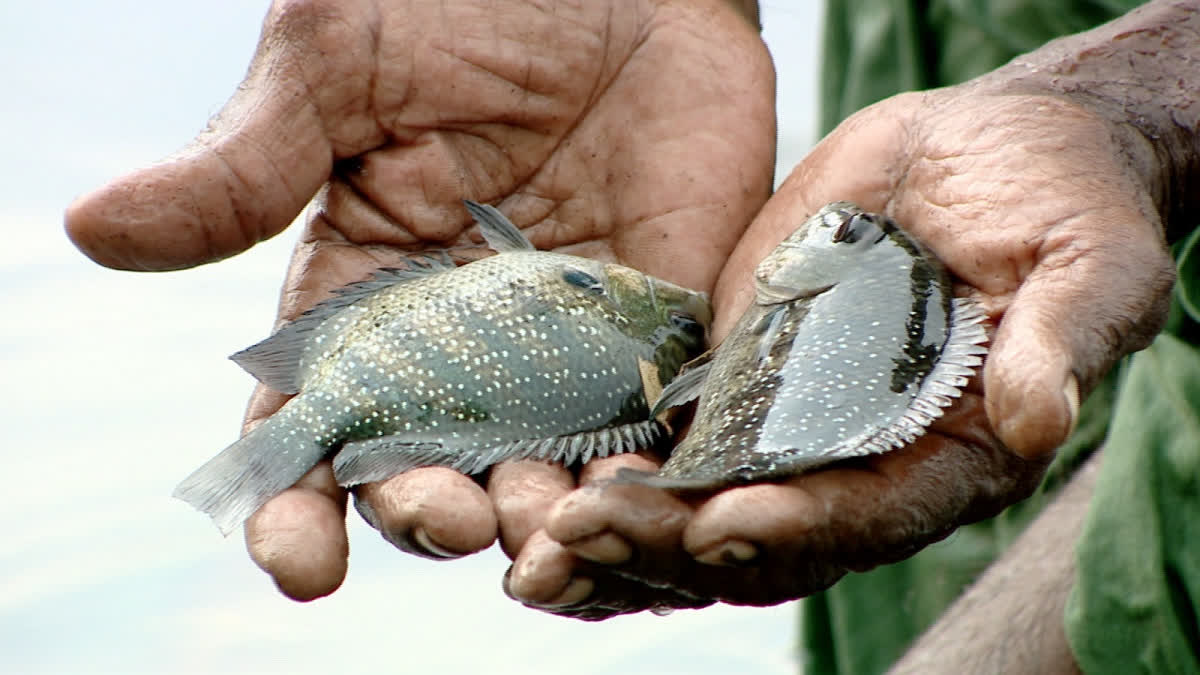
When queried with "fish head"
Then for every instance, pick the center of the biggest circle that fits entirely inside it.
(658, 310)
(827, 248)
(672, 320)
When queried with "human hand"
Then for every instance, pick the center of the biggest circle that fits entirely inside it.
(609, 129)
(1032, 205)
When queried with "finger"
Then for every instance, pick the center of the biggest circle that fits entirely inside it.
(1111, 272)
(256, 165)
(543, 575)
(863, 513)
(433, 512)
(523, 492)
(546, 576)
(859, 143)
(299, 537)
(1073, 258)
(614, 524)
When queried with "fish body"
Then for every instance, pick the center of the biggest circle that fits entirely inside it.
(853, 346)
(525, 354)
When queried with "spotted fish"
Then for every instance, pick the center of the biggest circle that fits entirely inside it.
(853, 346)
(525, 354)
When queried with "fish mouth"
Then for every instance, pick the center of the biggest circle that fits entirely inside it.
(698, 305)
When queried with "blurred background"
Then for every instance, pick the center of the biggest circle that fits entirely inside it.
(116, 385)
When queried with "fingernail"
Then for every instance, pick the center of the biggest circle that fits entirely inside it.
(731, 553)
(605, 548)
(576, 592)
(422, 539)
(1071, 393)
(364, 509)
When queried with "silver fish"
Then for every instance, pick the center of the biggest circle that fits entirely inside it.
(525, 354)
(853, 346)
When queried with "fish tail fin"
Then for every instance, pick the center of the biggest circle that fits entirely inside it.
(241, 478)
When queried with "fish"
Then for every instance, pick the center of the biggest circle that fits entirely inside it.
(853, 345)
(523, 354)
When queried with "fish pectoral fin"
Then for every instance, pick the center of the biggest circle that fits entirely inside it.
(771, 325)
(498, 231)
(685, 387)
(276, 361)
(777, 292)
(377, 459)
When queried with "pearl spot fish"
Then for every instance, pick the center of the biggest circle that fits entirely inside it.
(854, 345)
(524, 354)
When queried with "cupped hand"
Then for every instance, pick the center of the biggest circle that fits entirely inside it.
(1033, 205)
(608, 129)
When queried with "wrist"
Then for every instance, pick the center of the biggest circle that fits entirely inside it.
(1140, 75)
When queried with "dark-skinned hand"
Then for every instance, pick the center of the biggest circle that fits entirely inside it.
(607, 129)
(1029, 202)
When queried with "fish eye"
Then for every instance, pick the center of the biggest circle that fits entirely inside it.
(833, 219)
(581, 279)
(851, 229)
(687, 323)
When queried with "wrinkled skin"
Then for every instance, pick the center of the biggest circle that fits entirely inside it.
(627, 135)
(1028, 202)
(607, 129)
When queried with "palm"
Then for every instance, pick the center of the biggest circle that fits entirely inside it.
(577, 125)
(1040, 223)
(610, 129)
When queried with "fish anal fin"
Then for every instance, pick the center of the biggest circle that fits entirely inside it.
(377, 459)
(585, 446)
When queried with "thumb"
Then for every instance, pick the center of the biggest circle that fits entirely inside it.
(1100, 295)
(244, 178)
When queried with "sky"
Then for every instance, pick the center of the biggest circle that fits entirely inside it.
(116, 385)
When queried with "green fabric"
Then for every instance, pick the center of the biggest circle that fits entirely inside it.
(866, 621)
(1133, 608)
(1135, 604)
(876, 48)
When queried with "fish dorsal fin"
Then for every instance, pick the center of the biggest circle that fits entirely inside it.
(276, 360)
(961, 355)
(499, 232)
(377, 459)
(686, 385)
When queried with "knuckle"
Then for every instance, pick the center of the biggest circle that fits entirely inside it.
(301, 18)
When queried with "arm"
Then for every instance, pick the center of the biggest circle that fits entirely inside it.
(1138, 73)
(1048, 201)
(1011, 619)
(608, 129)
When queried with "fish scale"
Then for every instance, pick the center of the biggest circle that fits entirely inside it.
(853, 346)
(525, 354)
(480, 381)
